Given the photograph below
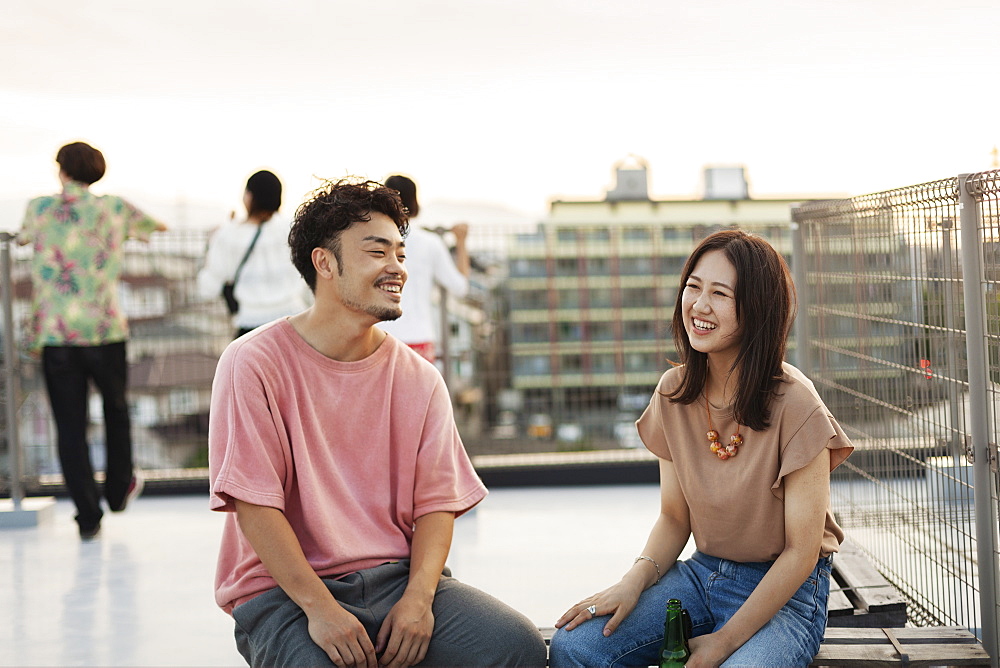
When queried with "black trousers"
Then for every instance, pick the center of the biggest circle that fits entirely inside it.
(68, 372)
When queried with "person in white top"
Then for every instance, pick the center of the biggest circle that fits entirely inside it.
(429, 264)
(268, 287)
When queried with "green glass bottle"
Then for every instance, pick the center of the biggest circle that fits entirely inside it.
(674, 652)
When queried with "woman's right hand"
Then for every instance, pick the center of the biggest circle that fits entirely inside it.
(618, 600)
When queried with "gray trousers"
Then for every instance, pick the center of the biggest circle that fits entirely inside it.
(471, 628)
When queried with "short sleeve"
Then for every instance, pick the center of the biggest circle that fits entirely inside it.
(445, 271)
(27, 232)
(138, 224)
(444, 479)
(650, 426)
(820, 430)
(248, 458)
(31, 223)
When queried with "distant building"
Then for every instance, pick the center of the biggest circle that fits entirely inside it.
(592, 293)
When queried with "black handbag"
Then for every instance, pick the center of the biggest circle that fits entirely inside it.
(229, 287)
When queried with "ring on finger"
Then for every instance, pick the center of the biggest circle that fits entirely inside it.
(592, 610)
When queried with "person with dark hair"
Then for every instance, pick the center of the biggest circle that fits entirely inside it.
(252, 257)
(334, 452)
(430, 264)
(78, 323)
(745, 447)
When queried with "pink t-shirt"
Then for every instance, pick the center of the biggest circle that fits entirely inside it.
(351, 452)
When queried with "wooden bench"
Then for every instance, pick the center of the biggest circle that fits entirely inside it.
(860, 596)
(882, 648)
(866, 616)
(924, 646)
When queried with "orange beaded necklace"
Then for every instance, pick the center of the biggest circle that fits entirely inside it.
(723, 452)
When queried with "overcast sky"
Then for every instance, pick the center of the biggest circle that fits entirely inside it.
(510, 102)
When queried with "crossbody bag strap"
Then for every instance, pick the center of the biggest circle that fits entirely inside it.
(253, 242)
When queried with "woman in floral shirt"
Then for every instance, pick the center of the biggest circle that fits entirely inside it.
(79, 326)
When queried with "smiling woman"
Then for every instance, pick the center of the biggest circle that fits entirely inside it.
(759, 514)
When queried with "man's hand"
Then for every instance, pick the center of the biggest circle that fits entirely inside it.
(406, 632)
(342, 637)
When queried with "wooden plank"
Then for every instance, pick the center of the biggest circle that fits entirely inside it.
(924, 646)
(838, 604)
(944, 654)
(865, 583)
(910, 634)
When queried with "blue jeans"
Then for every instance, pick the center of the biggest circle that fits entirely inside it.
(712, 590)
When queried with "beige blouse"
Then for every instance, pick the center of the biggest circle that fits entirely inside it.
(737, 505)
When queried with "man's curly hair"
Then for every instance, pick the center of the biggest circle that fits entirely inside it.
(333, 208)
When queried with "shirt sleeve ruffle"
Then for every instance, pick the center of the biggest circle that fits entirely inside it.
(820, 430)
(651, 425)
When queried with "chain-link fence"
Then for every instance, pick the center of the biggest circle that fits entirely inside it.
(899, 294)
(566, 332)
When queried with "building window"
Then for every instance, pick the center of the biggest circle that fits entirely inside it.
(566, 235)
(670, 266)
(600, 298)
(570, 331)
(641, 362)
(639, 235)
(530, 332)
(637, 297)
(638, 330)
(597, 234)
(528, 268)
(529, 299)
(603, 363)
(183, 402)
(569, 298)
(598, 266)
(571, 363)
(531, 365)
(530, 238)
(600, 331)
(665, 297)
(636, 266)
(567, 266)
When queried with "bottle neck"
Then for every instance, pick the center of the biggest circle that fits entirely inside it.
(675, 650)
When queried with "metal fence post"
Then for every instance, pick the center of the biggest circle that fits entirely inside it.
(975, 341)
(10, 373)
(802, 360)
(950, 322)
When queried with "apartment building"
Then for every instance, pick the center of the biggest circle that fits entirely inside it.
(592, 291)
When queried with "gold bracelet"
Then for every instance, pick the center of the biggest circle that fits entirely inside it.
(650, 560)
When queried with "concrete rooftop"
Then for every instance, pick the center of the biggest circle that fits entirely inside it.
(141, 594)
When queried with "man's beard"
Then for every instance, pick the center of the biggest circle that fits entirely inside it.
(382, 313)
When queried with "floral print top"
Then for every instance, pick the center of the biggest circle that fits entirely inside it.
(78, 240)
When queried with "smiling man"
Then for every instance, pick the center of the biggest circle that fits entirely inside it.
(334, 450)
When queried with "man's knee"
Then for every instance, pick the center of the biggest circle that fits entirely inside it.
(517, 642)
(476, 629)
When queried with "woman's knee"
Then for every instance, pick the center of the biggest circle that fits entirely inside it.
(579, 647)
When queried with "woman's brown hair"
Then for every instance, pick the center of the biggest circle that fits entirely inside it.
(765, 309)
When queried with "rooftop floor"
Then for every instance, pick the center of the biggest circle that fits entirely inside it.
(141, 594)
